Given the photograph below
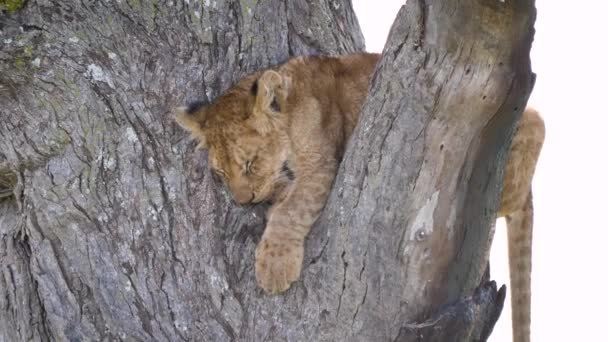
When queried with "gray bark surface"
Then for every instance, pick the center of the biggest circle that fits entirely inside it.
(116, 231)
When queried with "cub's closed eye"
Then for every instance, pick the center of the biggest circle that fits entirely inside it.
(248, 167)
(219, 175)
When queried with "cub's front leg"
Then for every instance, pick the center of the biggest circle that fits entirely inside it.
(278, 256)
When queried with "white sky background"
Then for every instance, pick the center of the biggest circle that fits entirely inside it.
(570, 249)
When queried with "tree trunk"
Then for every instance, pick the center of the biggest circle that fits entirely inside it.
(116, 231)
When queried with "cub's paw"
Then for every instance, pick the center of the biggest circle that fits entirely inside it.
(277, 264)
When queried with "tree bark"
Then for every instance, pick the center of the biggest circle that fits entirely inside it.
(116, 231)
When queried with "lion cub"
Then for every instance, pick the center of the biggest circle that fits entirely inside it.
(278, 135)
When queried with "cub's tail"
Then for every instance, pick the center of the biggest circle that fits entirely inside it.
(516, 206)
(519, 230)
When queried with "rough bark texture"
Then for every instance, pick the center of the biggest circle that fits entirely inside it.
(117, 231)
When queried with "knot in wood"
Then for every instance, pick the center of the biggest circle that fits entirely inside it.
(421, 235)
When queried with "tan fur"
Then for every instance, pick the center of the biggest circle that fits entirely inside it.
(298, 120)
(516, 207)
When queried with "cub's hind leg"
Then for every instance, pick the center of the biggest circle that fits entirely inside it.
(516, 206)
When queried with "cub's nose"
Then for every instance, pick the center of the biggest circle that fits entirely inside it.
(243, 196)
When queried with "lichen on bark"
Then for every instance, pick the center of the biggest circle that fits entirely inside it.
(10, 6)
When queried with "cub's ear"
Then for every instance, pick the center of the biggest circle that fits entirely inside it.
(191, 118)
(270, 91)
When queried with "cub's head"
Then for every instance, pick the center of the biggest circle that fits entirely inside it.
(244, 131)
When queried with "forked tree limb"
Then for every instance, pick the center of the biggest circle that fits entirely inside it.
(416, 196)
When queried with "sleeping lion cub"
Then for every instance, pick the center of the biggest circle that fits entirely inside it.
(278, 135)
